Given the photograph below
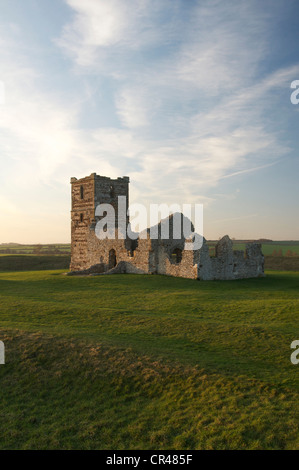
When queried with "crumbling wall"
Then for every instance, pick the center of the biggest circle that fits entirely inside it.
(223, 262)
(204, 265)
(98, 252)
(168, 254)
(254, 261)
(228, 264)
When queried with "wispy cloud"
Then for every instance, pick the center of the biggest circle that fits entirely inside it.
(197, 109)
(230, 219)
(131, 107)
(100, 29)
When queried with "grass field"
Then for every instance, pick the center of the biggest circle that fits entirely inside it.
(270, 248)
(52, 249)
(280, 247)
(33, 262)
(282, 263)
(148, 362)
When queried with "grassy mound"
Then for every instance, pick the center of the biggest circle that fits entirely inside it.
(148, 362)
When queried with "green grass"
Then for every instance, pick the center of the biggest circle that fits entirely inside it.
(18, 248)
(269, 248)
(282, 248)
(33, 262)
(282, 263)
(148, 362)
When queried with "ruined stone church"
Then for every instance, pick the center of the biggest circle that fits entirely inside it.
(91, 255)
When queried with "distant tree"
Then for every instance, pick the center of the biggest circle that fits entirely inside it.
(37, 249)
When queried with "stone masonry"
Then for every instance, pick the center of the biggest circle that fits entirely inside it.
(91, 255)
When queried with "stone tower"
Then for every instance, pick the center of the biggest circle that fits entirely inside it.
(87, 194)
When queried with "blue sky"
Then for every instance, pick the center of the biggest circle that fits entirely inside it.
(191, 99)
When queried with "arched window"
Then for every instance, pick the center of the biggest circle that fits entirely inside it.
(82, 192)
(81, 217)
(112, 259)
(176, 256)
(112, 192)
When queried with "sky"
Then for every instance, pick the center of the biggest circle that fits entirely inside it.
(190, 99)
